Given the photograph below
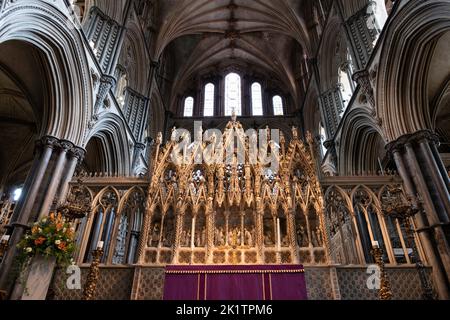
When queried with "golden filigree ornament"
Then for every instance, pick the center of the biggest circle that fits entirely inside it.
(237, 205)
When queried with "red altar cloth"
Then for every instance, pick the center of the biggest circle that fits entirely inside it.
(258, 283)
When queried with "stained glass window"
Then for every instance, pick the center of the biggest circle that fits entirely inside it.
(278, 106)
(209, 100)
(189, 107)
(257, 107)
(233, 94)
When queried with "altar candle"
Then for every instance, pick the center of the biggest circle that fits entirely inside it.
(100, 245)
(375, 244)
(5, 238)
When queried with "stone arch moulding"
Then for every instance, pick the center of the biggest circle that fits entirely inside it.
(402, 108)
(71, 99)
(112, 131)
(359, 140)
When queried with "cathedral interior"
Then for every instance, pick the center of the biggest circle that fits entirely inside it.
(106, 107)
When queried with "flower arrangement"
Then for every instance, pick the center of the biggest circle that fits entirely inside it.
(51, 236)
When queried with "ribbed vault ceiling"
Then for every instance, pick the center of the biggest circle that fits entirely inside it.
(260, 34)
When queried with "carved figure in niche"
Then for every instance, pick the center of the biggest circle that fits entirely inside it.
(269, 239)
(285, 241)
(204, 237)
(187, 239)
(302, 238)
(220, 237)
(155, 235)
(314, 239)
(318, 237)
(168, 233)
(248, 238)
(200, 238)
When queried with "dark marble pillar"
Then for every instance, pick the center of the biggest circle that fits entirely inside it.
(52, 167)
(424, 183)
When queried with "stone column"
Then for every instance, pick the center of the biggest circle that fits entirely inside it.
(179, 231)
(421, 175)
(437, 179)
(75, 155)
(23, 212)
(55, 177)
(45, 181)
(290, 220)
(259, 229)
(210, 232)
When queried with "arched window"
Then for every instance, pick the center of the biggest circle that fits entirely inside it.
(208, 110)
(233, 94)
(346, 87)
(189, 107)
(323, 138)
(257, 107)
(121, 86)
(278, 106)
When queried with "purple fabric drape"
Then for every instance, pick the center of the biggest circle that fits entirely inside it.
(283, 282)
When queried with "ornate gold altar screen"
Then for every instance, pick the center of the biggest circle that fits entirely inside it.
(234, 213)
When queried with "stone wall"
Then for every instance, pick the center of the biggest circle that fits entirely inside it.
(114, 284)
(323, 283)
(405, 284)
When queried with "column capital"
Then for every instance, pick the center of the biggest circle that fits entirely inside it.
(417, 137)
(78, 152)
(66, 145)
(47, 142)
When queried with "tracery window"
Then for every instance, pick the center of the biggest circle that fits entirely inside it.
(345, 86)
(129, 229)
(257, 106)
(189, 107)
(208, 110)
(323, 138)
(278, 109)
(121, 86)
(99, 225)
(233, 101)
(118, 230)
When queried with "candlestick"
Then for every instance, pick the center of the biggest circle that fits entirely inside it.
(375, 244)
(94, 273)
(385, 287)
(100, 245)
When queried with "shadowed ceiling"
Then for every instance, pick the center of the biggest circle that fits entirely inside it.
(259, 35)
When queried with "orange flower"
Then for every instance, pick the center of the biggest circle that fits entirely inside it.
(59, 226)
(39, 241)
(62, 246)
(35, 229)
(52, 216)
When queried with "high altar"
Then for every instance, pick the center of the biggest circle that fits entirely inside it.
(237, 212)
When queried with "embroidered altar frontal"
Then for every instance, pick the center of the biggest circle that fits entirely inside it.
(258, 283)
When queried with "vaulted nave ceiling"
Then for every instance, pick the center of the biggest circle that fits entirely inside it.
(260, 35)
